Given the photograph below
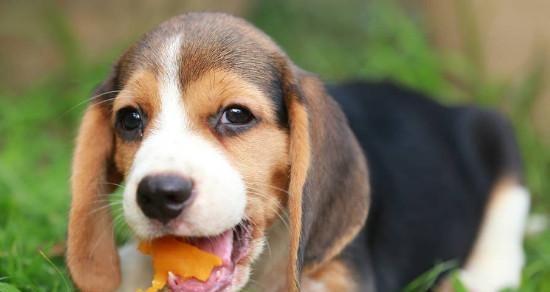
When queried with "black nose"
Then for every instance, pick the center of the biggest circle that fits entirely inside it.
(163, 197)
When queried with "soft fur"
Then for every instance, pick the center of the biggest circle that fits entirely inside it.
(332, 219)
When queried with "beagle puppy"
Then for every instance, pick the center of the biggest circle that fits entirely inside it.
(218, 138)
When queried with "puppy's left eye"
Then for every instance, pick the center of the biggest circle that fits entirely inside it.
(236, 115)
(233, 120)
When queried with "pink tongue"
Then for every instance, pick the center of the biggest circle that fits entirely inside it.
(222, 246)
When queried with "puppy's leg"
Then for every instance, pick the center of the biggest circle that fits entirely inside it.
(497, 258)
(136, 268)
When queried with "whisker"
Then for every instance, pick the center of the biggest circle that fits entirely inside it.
(112, 184)
(106, 206)
(120, 224)
(269, 186)
(100, 238)
(277, 210)
(104, 101)
(89, 100)
(268, 246)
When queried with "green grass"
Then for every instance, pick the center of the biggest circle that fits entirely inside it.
(377, 42)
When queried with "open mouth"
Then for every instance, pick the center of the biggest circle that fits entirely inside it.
(231, 246)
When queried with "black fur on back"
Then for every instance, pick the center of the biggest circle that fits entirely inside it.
(431, 170)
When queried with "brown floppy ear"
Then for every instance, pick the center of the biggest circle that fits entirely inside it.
(92, 257)
(329, 191)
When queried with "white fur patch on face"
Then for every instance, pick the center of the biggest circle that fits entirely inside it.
(497, 258)
(172, 146)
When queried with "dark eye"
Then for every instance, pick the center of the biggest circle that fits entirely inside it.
(130, 123)
(235, 119)
(236, 115)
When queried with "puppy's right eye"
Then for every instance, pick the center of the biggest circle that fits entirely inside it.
(130, 123)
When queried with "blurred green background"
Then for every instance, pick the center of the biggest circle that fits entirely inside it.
(52, 54)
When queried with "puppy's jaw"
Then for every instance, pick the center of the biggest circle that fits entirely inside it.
(244, 270)
(172, 146)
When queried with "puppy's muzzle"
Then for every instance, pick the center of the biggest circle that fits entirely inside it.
(163, 197)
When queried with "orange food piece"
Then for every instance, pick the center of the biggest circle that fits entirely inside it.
(173, 255)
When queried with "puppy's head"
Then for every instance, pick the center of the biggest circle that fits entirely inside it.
(215, 132)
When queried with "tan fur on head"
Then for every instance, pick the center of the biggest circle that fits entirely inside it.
(91, 256)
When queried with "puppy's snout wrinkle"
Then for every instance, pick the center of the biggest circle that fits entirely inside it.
(163, 197)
